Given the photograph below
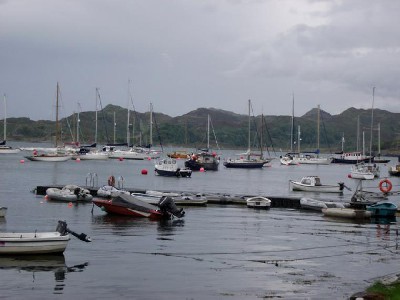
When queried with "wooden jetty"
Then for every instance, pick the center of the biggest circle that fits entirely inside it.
(217, 199)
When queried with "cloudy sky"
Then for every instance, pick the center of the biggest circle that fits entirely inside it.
(184, 54)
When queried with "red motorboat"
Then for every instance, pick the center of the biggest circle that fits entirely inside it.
(130, 206)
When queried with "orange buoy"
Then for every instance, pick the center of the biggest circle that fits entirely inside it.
(385, 186)
(144, 172)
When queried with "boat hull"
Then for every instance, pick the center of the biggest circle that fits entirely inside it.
(242, 164)
(348, 213)
(33, 243)
(177, 173)
(110, 207)
(297, 186)
(258, 203)
(47, 158)
(384, 210)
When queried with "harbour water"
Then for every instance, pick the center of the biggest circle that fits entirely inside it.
(215, 252)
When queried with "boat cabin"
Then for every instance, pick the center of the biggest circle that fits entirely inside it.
(311, 180)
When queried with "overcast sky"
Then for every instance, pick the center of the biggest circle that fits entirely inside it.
(181, 55)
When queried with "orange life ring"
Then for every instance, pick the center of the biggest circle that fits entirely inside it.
(385, 186)
(111, 180)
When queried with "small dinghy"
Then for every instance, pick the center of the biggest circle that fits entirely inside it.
(38, 242)
(258, 202)
(69, 193)
(108, 191)
(382, 209)
(348, 213)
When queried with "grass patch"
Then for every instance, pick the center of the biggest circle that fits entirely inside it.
(391, 291)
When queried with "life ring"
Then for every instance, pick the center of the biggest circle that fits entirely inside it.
(385, 186)
(111, 180)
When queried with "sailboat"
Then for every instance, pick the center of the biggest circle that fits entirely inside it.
(247, 160)
(203, 159)
(288, 158)
(3, 148)
(54, 155)
(367, 170)
(90, 152)
(308, 157)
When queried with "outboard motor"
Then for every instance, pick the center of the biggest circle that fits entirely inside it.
(167, 205)
(64, 230)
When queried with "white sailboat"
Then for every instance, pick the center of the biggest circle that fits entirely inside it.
(288, 158)
(4, 149)
(247, 160)
(310, 158)
(367, 170)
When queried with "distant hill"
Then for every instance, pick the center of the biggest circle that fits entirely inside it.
(228, 129)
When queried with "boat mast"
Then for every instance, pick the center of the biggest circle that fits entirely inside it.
(298, 139)
(95, 133)
(372, 124)
(57, 125)
(358, 133)
(128, 117)
(379, 139)
(151, 125)
(318, 125)
(292, 126)
(208, 132)
(248, 141)
(115, 127)
(5, 118)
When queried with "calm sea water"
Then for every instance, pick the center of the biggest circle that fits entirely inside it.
(215, 252)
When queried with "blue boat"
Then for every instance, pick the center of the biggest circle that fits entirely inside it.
(382, 209)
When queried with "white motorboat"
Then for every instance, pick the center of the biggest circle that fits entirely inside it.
(258, 202)
(3, 211)
(313, 184)
(170, 167)
(69, 193)
(38, 242)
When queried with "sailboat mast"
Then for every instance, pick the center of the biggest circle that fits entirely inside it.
(151, 125)
(5, 118)
(372, 123)
(95, 133)
(318, 127)
(379, 139)
(208, 132)
(57, 125)
(298, 139)
(292, 126)
(249, 130)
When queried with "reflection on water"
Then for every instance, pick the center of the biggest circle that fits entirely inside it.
(42, 263)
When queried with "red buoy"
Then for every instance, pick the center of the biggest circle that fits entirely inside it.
(144, 172)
